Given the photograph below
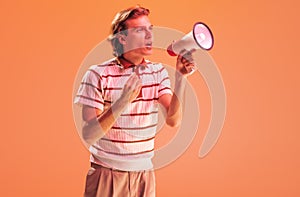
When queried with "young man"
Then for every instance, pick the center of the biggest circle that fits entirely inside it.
(120, 107)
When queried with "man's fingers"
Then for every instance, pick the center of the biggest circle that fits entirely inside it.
(137, 84)
(185, 62)
(131, 80)
(186, 56)
(187, 59)
(190, 66)
(132, 83)
(193, 50)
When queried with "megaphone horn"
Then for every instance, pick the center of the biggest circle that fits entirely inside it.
(200, 37)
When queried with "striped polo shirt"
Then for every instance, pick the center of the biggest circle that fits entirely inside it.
(129, 144)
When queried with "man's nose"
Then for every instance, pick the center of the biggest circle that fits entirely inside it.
(149, 33)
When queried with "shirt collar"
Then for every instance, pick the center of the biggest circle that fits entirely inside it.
(127, 64)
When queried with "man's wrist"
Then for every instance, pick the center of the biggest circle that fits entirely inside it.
(180, 80)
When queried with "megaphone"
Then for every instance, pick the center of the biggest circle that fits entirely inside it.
(200, 37)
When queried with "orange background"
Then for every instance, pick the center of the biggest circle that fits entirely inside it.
(256, 43)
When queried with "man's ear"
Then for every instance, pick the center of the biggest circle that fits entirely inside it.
(122, 39)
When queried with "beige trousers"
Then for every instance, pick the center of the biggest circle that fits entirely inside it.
(106, 182)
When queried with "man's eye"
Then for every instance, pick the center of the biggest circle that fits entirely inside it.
(139, 30)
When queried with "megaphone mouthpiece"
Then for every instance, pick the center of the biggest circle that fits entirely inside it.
(170, 50)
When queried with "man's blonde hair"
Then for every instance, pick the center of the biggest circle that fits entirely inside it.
(118, 26)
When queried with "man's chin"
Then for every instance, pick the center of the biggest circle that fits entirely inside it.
(148, 51)
(142, 51)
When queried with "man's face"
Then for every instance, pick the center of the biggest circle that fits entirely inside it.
(139, 37)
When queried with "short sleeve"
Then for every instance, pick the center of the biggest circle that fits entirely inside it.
(90, 90)
(164, 84)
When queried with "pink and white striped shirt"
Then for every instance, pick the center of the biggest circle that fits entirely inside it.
(129, 144)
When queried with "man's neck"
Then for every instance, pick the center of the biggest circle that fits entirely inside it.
(136, 60)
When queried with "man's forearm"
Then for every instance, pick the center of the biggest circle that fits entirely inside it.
(174, 115)
(98, 127)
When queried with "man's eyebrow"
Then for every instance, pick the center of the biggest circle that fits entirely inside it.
(134, 27)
